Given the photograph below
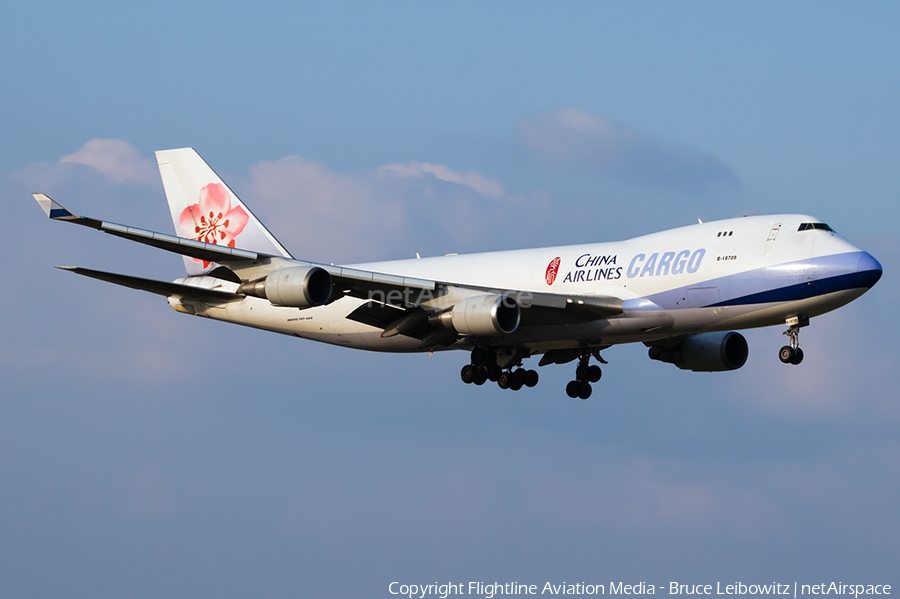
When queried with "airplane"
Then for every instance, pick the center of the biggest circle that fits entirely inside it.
(680, 292)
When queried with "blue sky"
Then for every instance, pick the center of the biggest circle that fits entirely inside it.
(145, 453)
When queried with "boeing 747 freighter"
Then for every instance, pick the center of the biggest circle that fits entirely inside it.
(681, 292)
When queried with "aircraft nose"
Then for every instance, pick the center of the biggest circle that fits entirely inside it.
(869, 268)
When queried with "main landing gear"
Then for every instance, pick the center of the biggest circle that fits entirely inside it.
(792, 354)
(484, 367)
(585, 374)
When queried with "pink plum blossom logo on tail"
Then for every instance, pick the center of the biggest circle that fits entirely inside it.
(212, 219)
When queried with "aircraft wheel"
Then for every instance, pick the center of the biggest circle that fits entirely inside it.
(531, 378)
(478, 356)
(594, 373)
(516, 382)
(494, 373)
(520, 375)
(585, 391)
(480, 376)
(581, 372)
(467, 373)
(503, 380)
(798, 356)
(786, 354)
(573, 389)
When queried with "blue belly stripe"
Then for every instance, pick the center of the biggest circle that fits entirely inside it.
(856, 280)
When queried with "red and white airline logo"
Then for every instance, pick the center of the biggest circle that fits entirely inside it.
(552, 269)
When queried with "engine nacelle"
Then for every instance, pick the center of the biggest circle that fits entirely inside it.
(296, 286)
(706, 352)
(483, 315)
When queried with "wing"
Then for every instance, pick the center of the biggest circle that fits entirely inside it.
(251, 264)
(397, 304)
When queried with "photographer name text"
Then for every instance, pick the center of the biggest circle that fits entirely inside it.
(490, 590)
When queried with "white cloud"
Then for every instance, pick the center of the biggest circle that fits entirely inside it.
(393, 209)
(574, 140)
(115, 158)
(486, 187)
(316, 207)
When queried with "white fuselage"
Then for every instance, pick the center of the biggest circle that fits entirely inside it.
(729, 274)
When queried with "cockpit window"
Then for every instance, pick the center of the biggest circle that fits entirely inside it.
(820, 226)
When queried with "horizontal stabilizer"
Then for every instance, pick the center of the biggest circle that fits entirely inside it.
(158, 287)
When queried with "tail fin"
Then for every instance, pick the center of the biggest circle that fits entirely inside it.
(204, 208)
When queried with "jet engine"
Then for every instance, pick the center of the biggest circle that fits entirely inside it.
(296, 286)
(482, 315)
(705, 352)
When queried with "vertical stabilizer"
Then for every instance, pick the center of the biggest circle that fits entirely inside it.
(206, 209)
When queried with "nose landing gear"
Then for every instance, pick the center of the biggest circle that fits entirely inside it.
(792, 354)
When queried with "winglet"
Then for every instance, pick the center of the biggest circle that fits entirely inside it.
(51, 208)
(56, 212)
